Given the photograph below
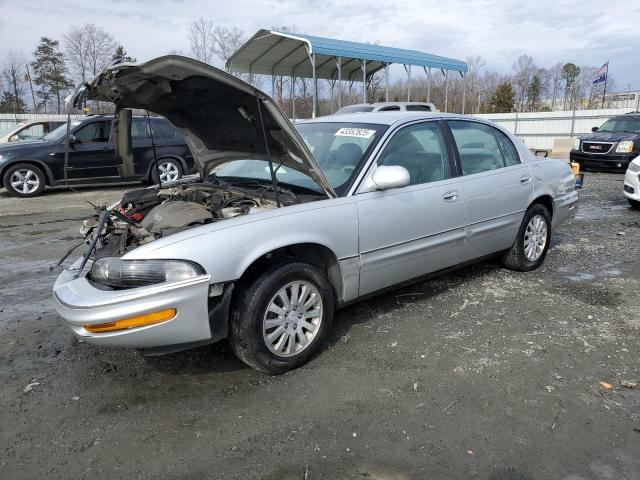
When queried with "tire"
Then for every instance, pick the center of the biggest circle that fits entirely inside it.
(24, 180)
(171, 170)
(516, 258)
(635, 204)
(249, 330)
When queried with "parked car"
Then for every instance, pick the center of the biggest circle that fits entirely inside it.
(631, 188)
(388, 107)
(29, 130)
(285, 226)
(610, 147)
(27, 167)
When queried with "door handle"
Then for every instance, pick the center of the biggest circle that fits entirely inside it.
(525, 179)
(451, 196)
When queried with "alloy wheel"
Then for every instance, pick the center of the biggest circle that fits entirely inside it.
(24, 181)
(168, 172)
(535, 238)
(292, 318)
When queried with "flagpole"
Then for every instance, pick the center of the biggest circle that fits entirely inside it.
(606, 77)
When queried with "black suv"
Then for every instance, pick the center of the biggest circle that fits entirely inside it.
(610, 147)
(26, 167)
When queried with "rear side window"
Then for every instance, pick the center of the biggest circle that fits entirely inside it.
(389, 108)
(33, 132)
(478, 147)
(418, 108)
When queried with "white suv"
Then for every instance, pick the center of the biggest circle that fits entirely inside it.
(388, 107)
(631, 187)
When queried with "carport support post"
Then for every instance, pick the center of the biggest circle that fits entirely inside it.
(463, 90)
(386, 82)
(446, 90)
(293, 97)
(339, 82)
(428, 72)
(364, 81)
(314, 87)
(408, 70)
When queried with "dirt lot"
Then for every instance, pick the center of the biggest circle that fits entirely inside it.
(485, 373)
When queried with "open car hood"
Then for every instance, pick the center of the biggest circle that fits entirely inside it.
(219, 114)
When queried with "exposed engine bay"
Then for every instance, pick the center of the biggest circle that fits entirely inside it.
(147, 214)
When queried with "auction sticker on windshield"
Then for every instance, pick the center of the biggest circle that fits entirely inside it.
(355, 132)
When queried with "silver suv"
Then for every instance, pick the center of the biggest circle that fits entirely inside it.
(388, 107)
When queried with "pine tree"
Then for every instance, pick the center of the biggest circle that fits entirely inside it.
(10, 103)
(50, 72)
(122, 56)
(503, 98)
(534, 91)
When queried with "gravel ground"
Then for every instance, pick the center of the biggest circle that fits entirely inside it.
(484, 373)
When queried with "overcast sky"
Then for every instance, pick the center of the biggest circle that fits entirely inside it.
(586, 32)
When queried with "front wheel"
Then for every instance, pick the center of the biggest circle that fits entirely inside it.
(530, 248)
(24, 180)
(279, 322)
(169, 170)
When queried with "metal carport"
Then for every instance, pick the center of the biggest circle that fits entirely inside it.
(270, 52)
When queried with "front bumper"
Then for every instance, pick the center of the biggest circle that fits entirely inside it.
(79, 303)
(614, 162)
(631, 188)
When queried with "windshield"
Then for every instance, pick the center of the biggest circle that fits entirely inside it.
(621, 124)
(339, 149)
(355, 109)
(61, 131)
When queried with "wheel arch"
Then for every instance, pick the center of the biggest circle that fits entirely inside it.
(544, 200)
(316, 254)
(48, 174)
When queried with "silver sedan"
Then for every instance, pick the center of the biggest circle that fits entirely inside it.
(285, 225)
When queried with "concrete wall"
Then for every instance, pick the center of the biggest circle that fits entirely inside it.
(540, 129)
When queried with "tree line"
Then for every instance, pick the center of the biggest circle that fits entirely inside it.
(40, 82)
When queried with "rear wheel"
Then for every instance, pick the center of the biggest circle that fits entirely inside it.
(169, 170)
(530, 248)
(634, 203)
(280, 320)
(24, 180)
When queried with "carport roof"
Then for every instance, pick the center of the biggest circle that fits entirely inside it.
(271, 52)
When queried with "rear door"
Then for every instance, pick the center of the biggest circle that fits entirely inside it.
(411, 231)
(497, 186)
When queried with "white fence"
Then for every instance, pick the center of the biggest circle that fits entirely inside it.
(538, 130)
(10, 120)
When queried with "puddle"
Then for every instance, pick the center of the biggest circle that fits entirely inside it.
(592, 212)
(573, 276)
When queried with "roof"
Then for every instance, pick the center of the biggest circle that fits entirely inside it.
(270, 52)
(380, 118)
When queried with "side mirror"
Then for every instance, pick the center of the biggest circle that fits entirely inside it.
(392, 176)
(73, 140)
(594, 129)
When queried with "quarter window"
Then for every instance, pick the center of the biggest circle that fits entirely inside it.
(478, 147)
(508, 149)
(420, 149)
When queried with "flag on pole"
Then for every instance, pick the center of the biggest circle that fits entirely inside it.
(601, 74)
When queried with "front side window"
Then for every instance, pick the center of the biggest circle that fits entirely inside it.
(421, 150)
(95, 132)
(478, 147)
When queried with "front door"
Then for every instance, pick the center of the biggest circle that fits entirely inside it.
(497, 186)
(92, 155)
(414, 230)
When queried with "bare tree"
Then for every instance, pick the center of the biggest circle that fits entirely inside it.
(226, 41)
(200, 35)
(524, 69)
(12, 80)
(88, 49)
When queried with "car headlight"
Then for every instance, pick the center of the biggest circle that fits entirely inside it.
(576, 144)
(115, 272)
(634, 167)
(626, 146)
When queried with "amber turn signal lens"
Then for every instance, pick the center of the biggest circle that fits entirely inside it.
(132, 322)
